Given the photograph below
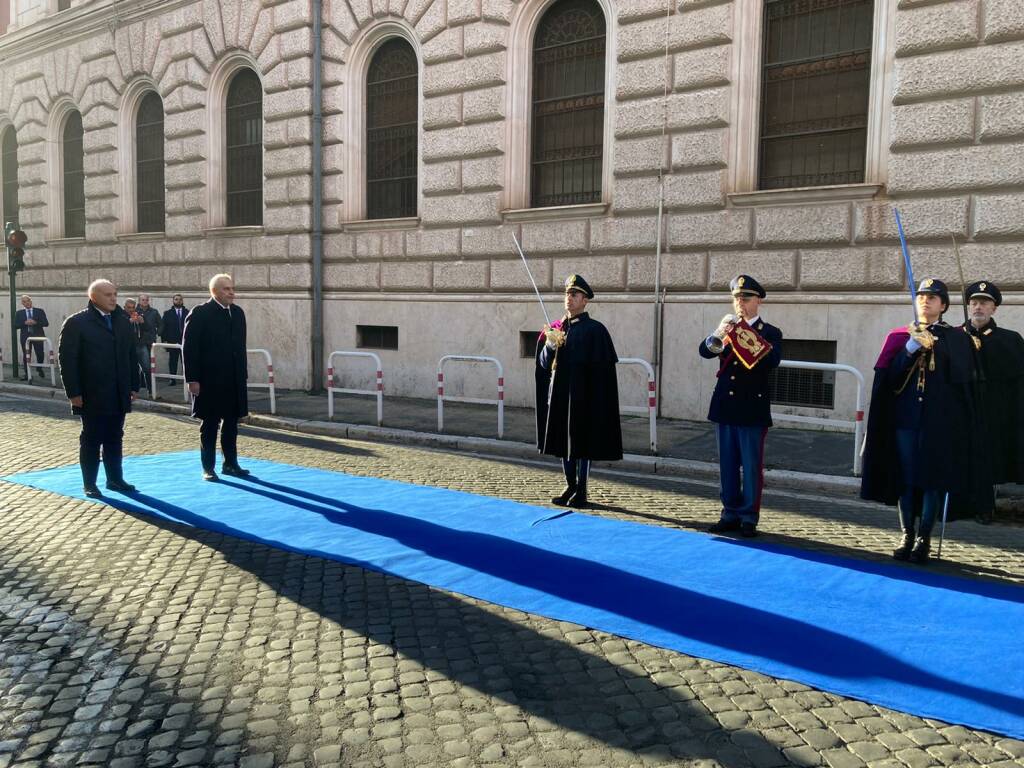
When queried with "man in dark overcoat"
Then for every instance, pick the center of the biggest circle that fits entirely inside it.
(923, 395)
(100, 373)
(214, 365)
(30, 321)
(171, 326)
(577, 393)
(741, 403)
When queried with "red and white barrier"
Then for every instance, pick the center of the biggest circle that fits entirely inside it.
(857, 425)
(173, 376)
(441, 396)
(377, 391)
(651, 409)
(51, 361)
(269, 383)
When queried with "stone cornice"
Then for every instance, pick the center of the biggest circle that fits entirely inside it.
(64, 28)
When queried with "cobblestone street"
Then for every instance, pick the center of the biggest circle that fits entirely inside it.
(130, 641)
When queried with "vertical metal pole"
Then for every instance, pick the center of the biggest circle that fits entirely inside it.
(14, 331)
(317, 351)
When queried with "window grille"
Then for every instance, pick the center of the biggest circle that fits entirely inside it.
(149, 164)
(244, 121)
(809, 389)
(377, 337)
(391, 131)
(74, 177)
(9, 163)
(814, 97)
(568, 105)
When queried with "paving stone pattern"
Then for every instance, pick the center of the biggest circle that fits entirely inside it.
(126, 641)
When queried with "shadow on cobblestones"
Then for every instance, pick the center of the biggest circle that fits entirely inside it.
(722, 623)
(548, 678)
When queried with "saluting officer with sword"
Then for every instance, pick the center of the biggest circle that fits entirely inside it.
(923, 436)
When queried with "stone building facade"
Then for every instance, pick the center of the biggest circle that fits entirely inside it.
(943, 138)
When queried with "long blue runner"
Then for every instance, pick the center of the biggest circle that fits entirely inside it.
(918, 642)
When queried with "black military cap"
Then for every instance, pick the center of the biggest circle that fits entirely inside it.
(577, 283)
(935, 287)
(983, 289)
(745, 285)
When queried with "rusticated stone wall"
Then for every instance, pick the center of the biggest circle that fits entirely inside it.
(948, 82)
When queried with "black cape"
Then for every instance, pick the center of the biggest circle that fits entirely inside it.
(1001, 399)
(948, 438)
(578, 400)
(213, 354)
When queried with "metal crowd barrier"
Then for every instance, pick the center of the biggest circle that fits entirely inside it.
(173, 376)
(52, 365)
(651, 409)
(1, 365)
(857, 425)
(441, 396)
(269, 383)
(378, 390)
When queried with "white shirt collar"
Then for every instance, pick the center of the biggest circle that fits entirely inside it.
(754, 320)
(222, 306)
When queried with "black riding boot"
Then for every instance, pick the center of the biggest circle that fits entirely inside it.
(579, 499)
(922, 547)
(902, 552)
(569, 468)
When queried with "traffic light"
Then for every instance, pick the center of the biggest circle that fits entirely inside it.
(15, 240)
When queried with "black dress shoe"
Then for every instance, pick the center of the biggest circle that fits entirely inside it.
(579, 499)
(120, 486)
(725, 526)
(748, 530)
(234, 470)
(92, 491)
(563, 500)
(209, 474)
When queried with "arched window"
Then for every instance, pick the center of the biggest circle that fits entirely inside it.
(74, 176)
(9, 164)
(568, 105)
(149, 164)
(244, 123)
(392, 123)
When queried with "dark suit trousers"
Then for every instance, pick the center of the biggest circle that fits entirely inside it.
(101, 431)
(173, 355)
(228, 440)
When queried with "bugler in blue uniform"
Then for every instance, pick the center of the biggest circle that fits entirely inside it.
(741, 404)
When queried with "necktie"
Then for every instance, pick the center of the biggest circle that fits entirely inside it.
(29, 311)
(110, 324)
(179, 316)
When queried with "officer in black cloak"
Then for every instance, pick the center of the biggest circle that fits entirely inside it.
(577, 393)
(1000, 356)
(923, 394)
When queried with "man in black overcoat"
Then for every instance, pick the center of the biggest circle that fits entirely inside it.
(1000, 356)
(577, 393)
(747, 350)
(213, 361)
(171, 327)
(100, 373)
(924, 439)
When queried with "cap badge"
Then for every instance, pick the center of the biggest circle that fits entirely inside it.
(983, 286)
(739, 282)
(928, 283)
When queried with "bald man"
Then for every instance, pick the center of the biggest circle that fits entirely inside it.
(213, 358)
(99, 369)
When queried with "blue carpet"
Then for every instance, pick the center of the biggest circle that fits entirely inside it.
(914, 641)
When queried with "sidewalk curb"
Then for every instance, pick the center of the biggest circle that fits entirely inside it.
(483, 446)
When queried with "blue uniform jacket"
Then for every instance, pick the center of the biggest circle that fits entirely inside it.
(741, 395)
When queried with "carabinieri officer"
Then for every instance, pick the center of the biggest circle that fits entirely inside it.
(748, 350)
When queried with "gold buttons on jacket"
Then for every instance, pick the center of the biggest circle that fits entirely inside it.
(733, 378)
(730, 393)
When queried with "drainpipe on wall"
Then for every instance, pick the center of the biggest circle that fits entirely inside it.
(317, 353)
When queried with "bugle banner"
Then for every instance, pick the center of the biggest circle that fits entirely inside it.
(747, 344)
